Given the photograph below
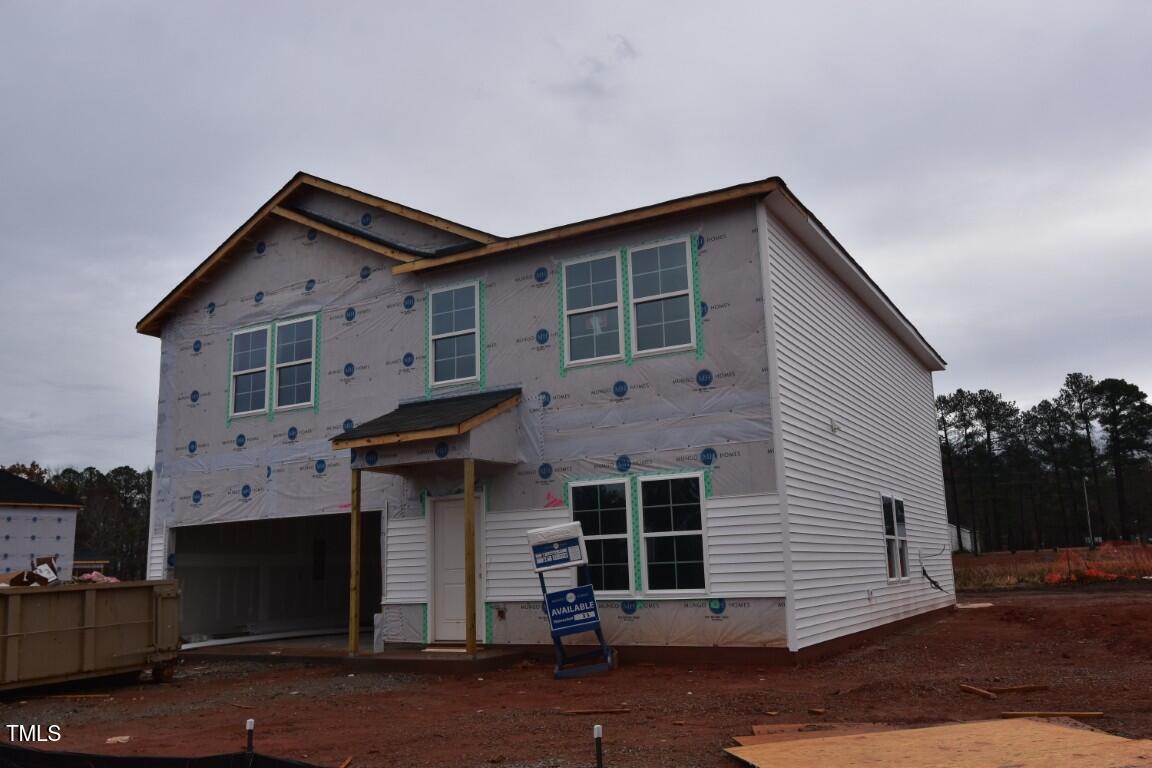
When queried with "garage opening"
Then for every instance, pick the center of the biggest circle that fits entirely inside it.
(268, 576)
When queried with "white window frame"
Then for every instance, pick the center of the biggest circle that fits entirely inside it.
(900, 543)
(690, 292)
(625, 481)
(703, 533)
(568, 361)
(278, 365)
(475, 331)
(233, 373)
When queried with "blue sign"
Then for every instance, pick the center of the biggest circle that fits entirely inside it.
(409, 302)
(623, 463)
(717, 605)
(704, 377)
(542, 336)
(308, 286)
(191, 446)
(573, 610)
(349, 369)
(557, 553)
(545, 471)
(195, 396)
(541, 274)
(408, 359)
(292, 433)
(347, 425)
(259, 297)
(707, 456)
(628, 607)
(240, 440)
(620, 388)
(246, 491)
(197, 345)
(196, 497)
(545, 399)
(350, 314)
(321, 465)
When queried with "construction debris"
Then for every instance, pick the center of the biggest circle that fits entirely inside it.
(1072, 715)
(1018, 689)
(977, 691)
(595, 711)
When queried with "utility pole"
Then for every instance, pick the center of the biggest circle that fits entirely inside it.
(1088, 515)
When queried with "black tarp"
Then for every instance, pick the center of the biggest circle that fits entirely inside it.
(12, 756)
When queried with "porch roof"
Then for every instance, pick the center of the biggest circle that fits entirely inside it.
(430, 419)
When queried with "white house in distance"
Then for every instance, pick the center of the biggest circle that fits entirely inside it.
(35, 521)
(740, 419)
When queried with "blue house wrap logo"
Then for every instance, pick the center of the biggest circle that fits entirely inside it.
(542, 336)
(292, 433)
(350, 314)
(707, 456)
(717, 605)
(261, 247)
(364, 272)
(348, 424)
(366, 219)
(352, 454)
(704, 377)
(246, 491)
(312, 234)
(408, 359)
(441, 449)
(191, 446)
(349, 369)
(211, 308)
(623, 463)
(240, 440)
(628, 607)
(321, 465)
(196, 497)
(703, 309)
(308, 286)
(268, 471)
(197, 346)
(545, 471)
(541, 274)
(259, 297)
(545, 399)
(699, 241)
(371, 458)
(620, 388)
(409, 301)
(195, 396)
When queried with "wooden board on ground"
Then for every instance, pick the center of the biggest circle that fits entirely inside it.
(1019, 743)
(771, 734)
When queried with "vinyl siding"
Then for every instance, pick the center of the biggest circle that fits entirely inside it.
(157, 556)
(406, 561)
(745, 548)
(857, 421)
(507, 559)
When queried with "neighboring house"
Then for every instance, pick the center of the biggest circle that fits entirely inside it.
(35, 521)
(740, 419)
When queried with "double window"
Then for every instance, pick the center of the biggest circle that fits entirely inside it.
(670, 542)
(895, 537)
(659, 303)
(454, 318)
(292, 364)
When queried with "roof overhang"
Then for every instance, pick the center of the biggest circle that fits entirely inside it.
(430, 420)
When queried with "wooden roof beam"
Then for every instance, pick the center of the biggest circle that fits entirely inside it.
(362, 242)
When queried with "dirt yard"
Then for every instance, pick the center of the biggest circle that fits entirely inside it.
(1092, 645)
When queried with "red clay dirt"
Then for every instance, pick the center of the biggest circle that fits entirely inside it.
(1092, 645)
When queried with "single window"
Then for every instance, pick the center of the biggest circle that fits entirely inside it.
(602, 511)
(249, 371)
(592, 309)
(294, 353)
(453, 334)
(661, 297)
(895, 537)
(673, 533)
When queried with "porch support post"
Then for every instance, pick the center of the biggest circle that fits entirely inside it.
(470, 555)
(354, 570)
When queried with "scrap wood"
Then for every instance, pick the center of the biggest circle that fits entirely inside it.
(347, 762)
(770, 734)
(79, 696)
(1018, 688)
(595, 711)
(978, 691)
(1076, 715)
(242, 706)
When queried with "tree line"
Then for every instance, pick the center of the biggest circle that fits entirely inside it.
(1042, 477)
(113, 523)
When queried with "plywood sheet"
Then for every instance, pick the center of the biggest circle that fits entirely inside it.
(1017, 743)
(777, 732)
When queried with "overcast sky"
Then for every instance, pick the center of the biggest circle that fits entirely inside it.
(989, 164)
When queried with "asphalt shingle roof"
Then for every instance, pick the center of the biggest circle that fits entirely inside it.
(16, 490)
(430, 414)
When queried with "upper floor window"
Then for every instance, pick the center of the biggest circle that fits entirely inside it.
(673, 533)
(294, 352)
(452, 334)
(592, 308)
(249, 371)
(895, 537)
(602, 511)
(662, 297)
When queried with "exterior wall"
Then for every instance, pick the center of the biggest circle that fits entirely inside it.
(30, 532)
(856, 421)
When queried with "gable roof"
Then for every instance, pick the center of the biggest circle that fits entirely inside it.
(773, 191)
(15, 491)
(430, 419)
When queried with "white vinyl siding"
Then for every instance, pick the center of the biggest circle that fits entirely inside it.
(857, 419)
(508, 560)
(157, 556)
(745, 546)
(406, 561)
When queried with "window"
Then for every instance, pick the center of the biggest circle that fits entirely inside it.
(453, 334)
(673, 533)
(294, 362)
(592, 309)
(602, 511)
(661, 297)
(249, 371)
(895, 538)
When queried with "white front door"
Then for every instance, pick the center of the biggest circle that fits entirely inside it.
(448, 586)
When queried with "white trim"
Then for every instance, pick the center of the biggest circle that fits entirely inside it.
(232, 373)
(566, 312)
(481, 581)
(703, 532)
(624, 481)
(277, 365)
(475, 331)
(689, 292)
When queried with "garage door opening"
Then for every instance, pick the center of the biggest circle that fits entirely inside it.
(269, 576)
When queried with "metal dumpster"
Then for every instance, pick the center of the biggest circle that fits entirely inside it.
(73, 631)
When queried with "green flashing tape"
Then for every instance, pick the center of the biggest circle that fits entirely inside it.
(560, 326)
(707, 483)
(625, 292)
(696, 313)
(424, 607)
(637, 574)
(427, 343)
(271, 390)
(228, 387)
(488, 616)
(316, 367)
(567, 498)
(482, 352)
